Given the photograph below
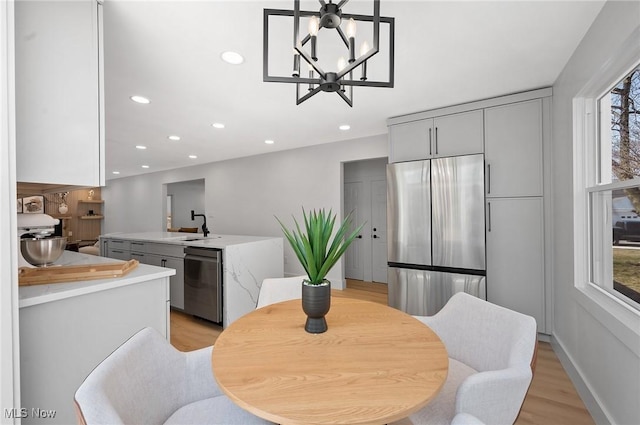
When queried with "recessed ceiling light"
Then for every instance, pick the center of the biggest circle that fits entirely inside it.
(141, 147)
(217, 125)
(176, 138)
(145, 166)
(232, 57)
(115, 172)
(140, 99)
(269, 142)
(344, 127)
(193, 156)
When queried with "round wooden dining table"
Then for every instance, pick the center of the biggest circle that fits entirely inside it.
(374, 364)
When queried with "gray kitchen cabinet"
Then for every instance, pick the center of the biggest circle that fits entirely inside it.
(59, 92)
(115, 248)
(513, 149)
(410, 141)
(515, 256)
(164, 255)
(176, 281)
(515, 133)
(441, 136)
(458, 134)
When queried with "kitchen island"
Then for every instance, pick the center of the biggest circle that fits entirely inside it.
(246, 262)
(67, 329)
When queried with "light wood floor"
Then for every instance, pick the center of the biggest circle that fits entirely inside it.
(552, 399)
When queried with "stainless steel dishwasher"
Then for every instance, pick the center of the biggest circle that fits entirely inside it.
(203, 283)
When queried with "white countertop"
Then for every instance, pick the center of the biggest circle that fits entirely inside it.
(38, 294)
(178, 238)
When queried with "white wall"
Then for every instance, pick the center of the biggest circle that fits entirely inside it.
(602, 350)
(243, 195)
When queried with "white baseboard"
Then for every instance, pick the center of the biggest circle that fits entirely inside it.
(590, 401)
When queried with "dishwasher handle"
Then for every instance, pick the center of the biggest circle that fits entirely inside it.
(202, 252)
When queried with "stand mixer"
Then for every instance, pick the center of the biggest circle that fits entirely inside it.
(38, 226)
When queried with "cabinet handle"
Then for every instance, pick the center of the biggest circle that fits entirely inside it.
(436, 140)
(430, 153)
(118, 251)
(163, 263)
(488, 178)
(134, 254)
(488, 216)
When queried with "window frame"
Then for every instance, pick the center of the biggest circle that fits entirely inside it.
(607, 307)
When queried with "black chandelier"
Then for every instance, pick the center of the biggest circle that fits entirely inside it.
(341, 81)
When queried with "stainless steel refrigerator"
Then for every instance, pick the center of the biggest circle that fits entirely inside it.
(435, 232)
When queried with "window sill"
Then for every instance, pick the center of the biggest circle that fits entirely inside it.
(620, 319)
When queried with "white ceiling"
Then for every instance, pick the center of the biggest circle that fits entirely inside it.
(447, 52)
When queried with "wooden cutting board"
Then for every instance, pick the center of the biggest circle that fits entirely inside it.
(56, 274)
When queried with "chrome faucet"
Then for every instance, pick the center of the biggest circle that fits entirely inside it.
(204, 225)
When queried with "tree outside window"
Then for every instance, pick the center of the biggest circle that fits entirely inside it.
(617, 192)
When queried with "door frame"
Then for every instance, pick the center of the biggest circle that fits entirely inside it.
(372, 169)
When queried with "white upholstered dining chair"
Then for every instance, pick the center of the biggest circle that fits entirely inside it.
(491, 358)
(275, 290)
(148, 381)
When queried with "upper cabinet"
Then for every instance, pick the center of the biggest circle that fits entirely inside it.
(457, 134)
(410, 141)
(513, 149)
(448, 135)
(59, 92)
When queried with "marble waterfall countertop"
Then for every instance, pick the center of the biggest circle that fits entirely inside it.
(38, 294)
(246, 262)
(189, 239)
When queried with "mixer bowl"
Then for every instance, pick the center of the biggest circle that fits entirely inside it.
(42, 251)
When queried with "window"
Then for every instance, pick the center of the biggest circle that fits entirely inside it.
(613, 191)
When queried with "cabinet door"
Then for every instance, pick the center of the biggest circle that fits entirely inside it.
(410, 141)
(59, 92)
(458, 134)
(176, 286)
(513, 149)
(515, 255)
(177, 281)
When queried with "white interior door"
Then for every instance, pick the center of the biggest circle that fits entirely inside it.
(354, 255)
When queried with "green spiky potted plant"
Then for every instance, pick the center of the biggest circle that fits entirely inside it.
(318, 253)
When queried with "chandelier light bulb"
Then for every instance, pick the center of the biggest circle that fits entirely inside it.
(341, 64)
(351, 34)
(364, 48)
(351, 28)
(314, 26)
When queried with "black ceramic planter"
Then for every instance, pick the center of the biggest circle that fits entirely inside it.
(316, 301)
